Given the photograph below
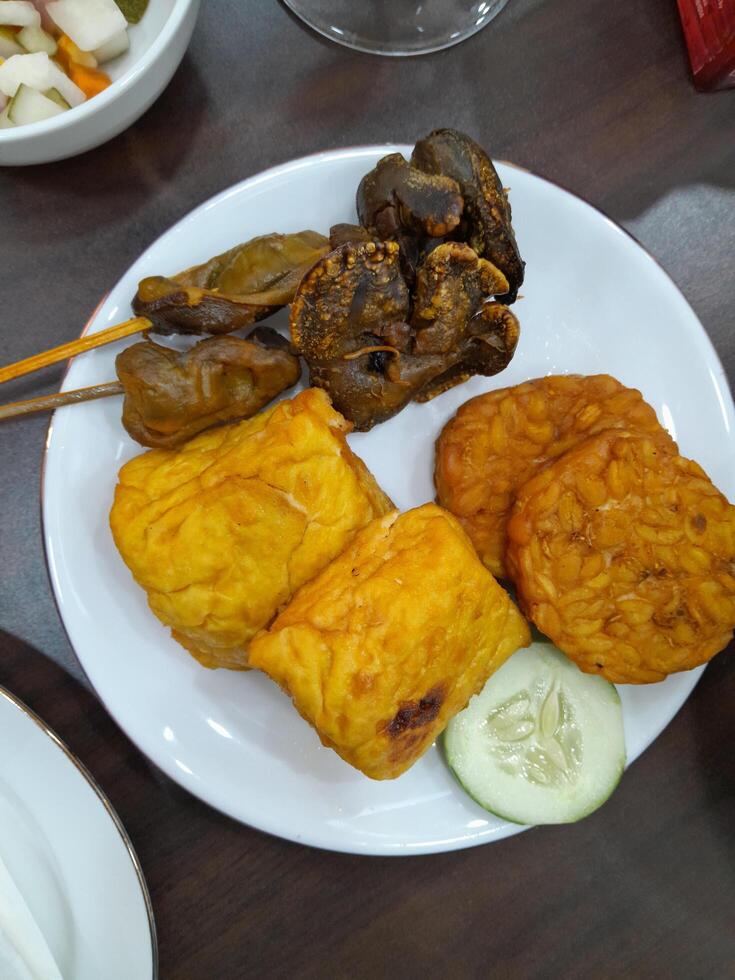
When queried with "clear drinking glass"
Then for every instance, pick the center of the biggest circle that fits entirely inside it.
(397, 27)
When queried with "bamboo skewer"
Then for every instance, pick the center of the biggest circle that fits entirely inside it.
(65, 351)
(48, 402)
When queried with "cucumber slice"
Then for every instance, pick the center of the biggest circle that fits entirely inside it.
(57, 97)
(132, 10)
(542, 743)
(36, 39)
(19, 13)
(29, 106)
(8, 44)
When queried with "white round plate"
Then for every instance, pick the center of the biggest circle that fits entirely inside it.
(593, 301)
(70, 857)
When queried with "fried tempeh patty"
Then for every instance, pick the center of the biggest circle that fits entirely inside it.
(623, 553)
(498, 441)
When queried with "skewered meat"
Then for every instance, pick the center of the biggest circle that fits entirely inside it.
(247, 283)
(344, 234)
(171, 396)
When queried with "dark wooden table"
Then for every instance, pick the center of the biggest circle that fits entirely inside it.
(596, 96)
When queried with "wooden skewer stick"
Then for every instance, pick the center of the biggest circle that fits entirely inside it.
(65, 351)
(47, 402)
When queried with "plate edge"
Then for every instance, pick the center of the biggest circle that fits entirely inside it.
(109, 808)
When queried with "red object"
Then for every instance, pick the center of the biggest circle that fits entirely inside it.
(709, 28)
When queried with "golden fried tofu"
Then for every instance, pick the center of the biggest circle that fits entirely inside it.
(222, 531)
(623, 553)
(392, 639)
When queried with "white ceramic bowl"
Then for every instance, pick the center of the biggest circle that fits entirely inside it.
(157, 45)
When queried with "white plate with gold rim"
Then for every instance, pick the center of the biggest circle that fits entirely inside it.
(69, 856)
(593, 301)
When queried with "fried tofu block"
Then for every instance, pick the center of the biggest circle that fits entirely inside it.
(392, 639)
(222, 531)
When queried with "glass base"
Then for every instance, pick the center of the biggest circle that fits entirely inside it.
(396, 27)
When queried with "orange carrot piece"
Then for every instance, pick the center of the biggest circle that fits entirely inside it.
(91, 81)
(68, 53)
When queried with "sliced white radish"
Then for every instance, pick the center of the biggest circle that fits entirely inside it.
(89, 23)
(116, 46)
(25, 69)
(8, 44)
(56, 97)
(19, 13)
(65, 86)
(37, 71)
(542, 742)
(5, 123)
(29, 106)
(36, 39)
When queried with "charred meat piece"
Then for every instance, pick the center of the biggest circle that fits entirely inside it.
(486, 220)
(344, 234)
(173, 308)
(453, 321)
(451, 317)
(487, 348)
(351, 322)
(232, 290)
(171, 396)
(348, 317)
(396, 197)
(347, 299)
(450, 288)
